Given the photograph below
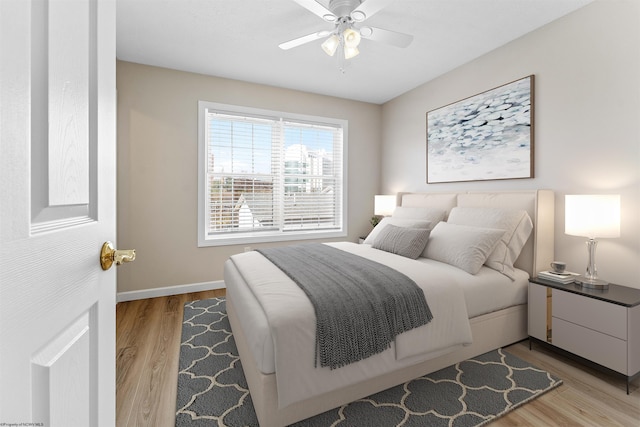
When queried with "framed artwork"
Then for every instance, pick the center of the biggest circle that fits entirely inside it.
(488, 136)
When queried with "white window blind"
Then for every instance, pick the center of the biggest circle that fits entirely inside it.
(269, 175)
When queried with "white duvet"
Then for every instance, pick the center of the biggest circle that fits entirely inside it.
(291, 319)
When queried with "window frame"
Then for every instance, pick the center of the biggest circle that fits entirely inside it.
(245, 238)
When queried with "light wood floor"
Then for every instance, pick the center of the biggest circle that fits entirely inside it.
(148, 339)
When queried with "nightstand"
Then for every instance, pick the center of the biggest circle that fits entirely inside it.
(601, 326)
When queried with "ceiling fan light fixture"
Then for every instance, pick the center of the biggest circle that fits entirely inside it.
(347, 17)
(331, 44)
(350, 52)
(351, 38)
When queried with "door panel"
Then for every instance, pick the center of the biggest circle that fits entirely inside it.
(63, 108)
(69, 37)
(57, 207)
(62, 375)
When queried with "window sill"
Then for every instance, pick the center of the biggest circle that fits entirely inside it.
(268, 238)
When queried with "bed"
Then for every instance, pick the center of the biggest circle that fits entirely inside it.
(283, 387)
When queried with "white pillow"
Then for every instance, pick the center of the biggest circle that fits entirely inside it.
(517, 226)
(462, 246)
(428, 214)
(405, 241)
(400, 222)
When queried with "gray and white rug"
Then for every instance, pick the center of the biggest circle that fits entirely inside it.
(212, 390)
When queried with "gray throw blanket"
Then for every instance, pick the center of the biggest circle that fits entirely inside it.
(360, 305)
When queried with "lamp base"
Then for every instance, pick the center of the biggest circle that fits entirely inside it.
(586, 282)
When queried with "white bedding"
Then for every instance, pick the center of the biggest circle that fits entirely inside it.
(485, 292)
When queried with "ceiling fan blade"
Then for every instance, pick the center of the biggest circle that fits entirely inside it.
(304, 39)
(316, 8)
(386, 36)
(368, 8)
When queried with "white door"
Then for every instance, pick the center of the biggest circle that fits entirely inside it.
(57, 207)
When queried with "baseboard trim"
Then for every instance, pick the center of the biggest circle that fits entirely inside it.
(168, 290)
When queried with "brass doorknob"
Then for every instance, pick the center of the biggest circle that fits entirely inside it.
(109, 256)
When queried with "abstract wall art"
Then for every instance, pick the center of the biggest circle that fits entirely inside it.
(488, 136)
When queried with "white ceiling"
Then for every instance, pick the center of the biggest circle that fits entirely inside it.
(239, 39)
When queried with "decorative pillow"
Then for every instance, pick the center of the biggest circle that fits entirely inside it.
(462, 246)
(405, 241)
(400, 222)
(428, 214)
(517, 226)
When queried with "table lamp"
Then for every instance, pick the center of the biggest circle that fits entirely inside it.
(592, 216)
(383, 205)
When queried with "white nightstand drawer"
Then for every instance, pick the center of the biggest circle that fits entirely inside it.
(591, 313)
(600, 348)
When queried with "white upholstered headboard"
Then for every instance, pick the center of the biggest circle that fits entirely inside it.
(539, 204)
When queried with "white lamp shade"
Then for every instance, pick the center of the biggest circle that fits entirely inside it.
(330, 45)
(351, 37)
(592, 216)
(350, 52)
(384, 205)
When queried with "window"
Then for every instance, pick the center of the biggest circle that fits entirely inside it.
(269, 176)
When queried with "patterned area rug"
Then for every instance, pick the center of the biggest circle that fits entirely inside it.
(212, 390)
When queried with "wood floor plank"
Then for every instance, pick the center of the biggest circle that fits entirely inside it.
(126, 356)
(170, 336)
(156, 397)
(133, 348)
(587, 398)
(148, 340)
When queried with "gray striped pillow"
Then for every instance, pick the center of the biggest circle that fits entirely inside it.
(405, 241)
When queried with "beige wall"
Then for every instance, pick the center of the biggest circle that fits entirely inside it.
(587, 123)
(157, 167)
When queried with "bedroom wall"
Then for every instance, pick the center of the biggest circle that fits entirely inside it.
(157, 168)
(587, 133)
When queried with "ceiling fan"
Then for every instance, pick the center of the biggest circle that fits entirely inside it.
(347, 17)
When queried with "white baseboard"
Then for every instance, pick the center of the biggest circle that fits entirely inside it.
(169, 290)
